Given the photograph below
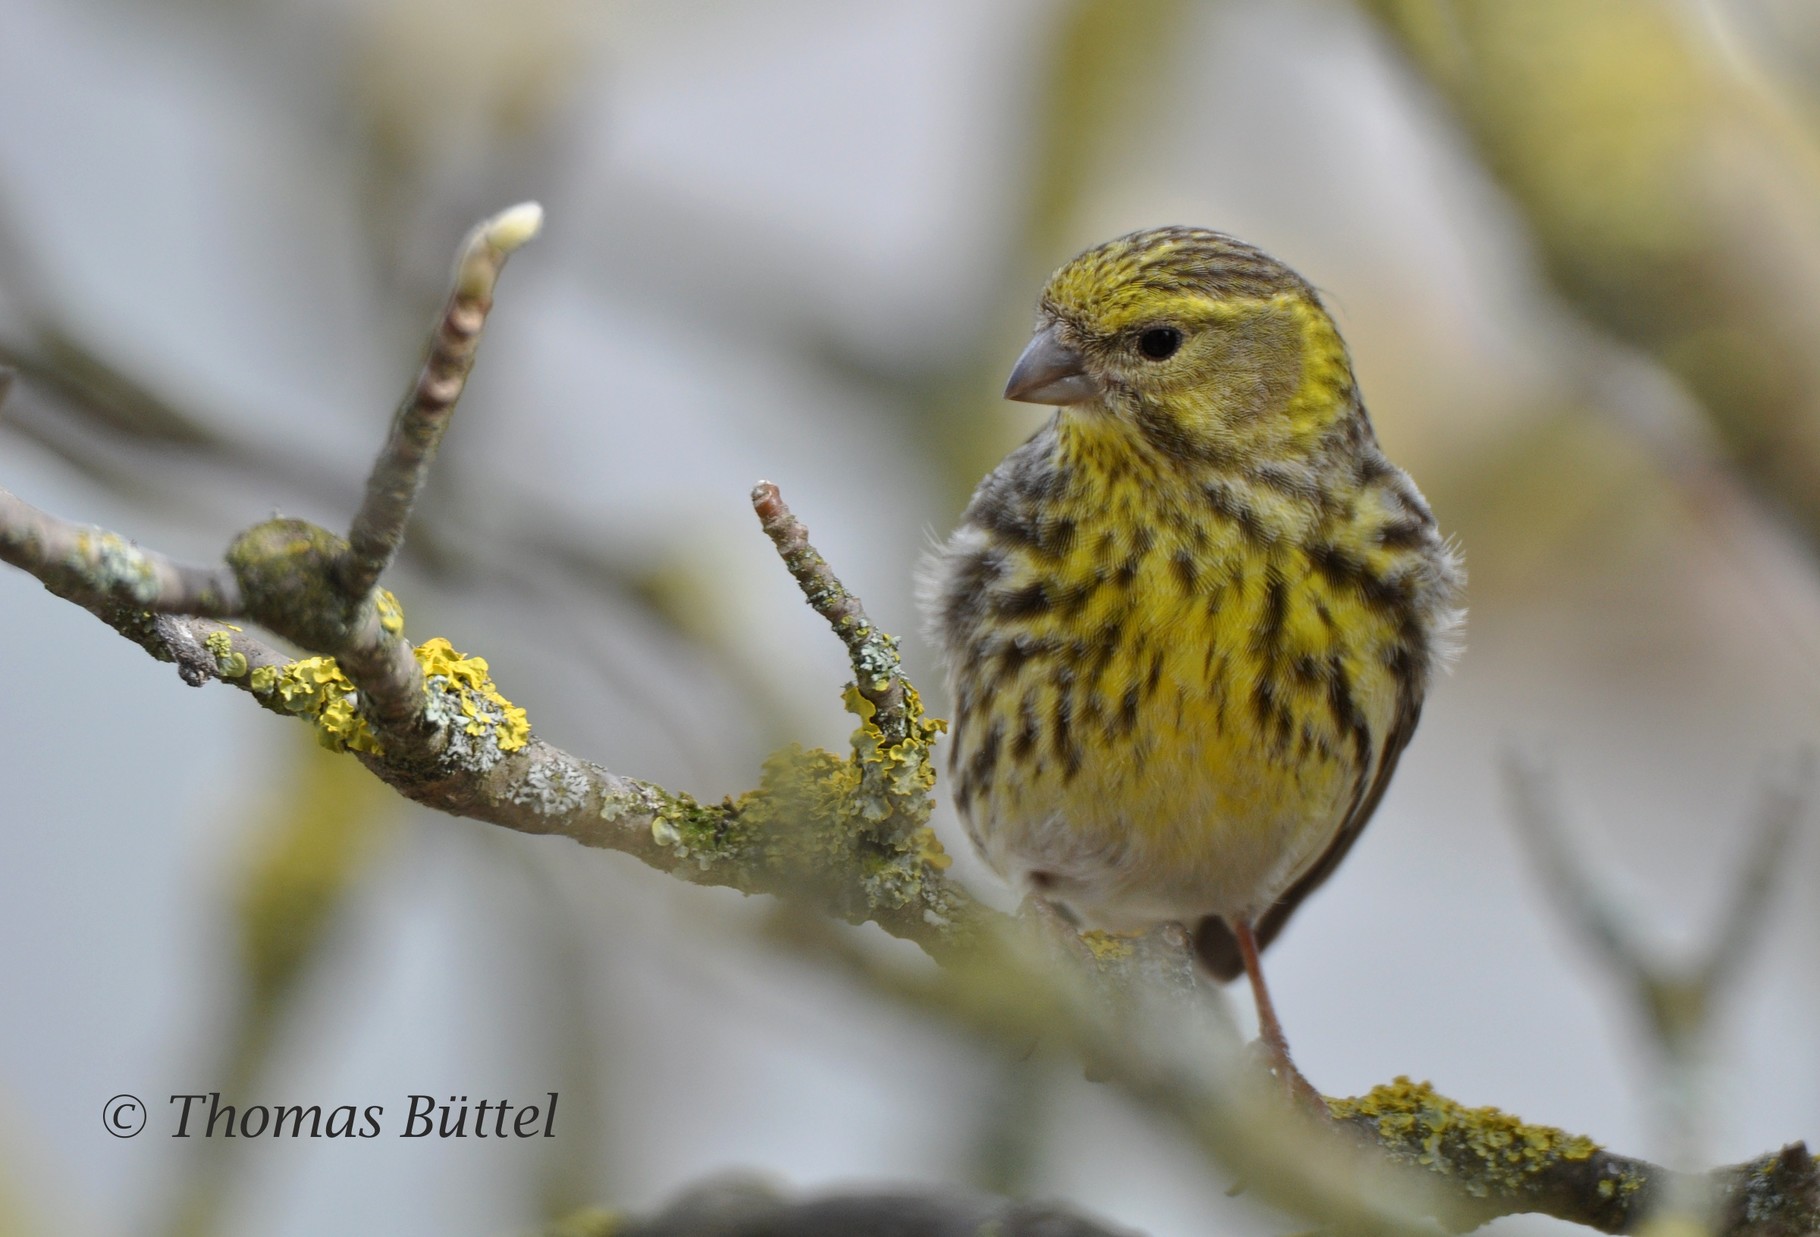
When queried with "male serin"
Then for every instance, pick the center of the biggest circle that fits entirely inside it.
(1190, 622)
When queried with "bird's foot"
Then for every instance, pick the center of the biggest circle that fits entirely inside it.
(1300, 1092)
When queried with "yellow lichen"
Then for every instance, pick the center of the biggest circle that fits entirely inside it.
(1109, 946)
(817, 813)
(483, 711)
(1489, 1148)
(891, 774)
(391, 614)
(315, 688)
(929, 850)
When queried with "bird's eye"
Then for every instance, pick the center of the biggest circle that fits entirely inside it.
(1159, 342)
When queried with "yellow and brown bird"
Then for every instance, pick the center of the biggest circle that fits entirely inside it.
(1190, 622)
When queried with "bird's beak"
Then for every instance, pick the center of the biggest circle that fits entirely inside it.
(1050, 372)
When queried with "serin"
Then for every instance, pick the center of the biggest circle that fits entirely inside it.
(1189, 624)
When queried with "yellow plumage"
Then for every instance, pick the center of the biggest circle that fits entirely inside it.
(1189, 623)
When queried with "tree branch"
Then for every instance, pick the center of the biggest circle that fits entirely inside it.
(749, 1207)
(876, 669)
(104, 569)
(404, 464)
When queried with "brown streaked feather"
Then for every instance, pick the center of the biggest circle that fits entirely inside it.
(1214, 943)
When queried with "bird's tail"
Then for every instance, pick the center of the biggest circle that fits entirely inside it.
(1218, 949)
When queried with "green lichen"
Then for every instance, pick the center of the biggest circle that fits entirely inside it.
(817, 816)
(110, 564)
(285, 569)
(229, 664)
(707, 832)
(1489, 1150)
(588, 1222)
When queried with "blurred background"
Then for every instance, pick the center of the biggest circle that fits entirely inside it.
(1575, 249)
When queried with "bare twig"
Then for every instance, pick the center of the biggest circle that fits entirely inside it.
(404, 464)
(877, 671)
(1541, 818)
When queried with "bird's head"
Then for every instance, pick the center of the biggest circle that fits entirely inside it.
(1210, 348)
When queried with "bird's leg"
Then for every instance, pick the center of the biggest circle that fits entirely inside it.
(1269, 1029)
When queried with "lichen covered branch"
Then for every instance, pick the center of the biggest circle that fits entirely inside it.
(877, 671)
(104, 569)
(1499, 1165)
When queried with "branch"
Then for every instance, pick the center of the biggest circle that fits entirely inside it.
(847, 836)
(1506, 1167)
(1676, 1000)
(749, 1207)
(876, 669)
(105, 570)
(1398, 1153)
(404, 465)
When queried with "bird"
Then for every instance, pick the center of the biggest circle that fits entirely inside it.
(1189, 624)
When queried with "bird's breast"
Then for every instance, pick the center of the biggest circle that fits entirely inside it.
(1169, 690)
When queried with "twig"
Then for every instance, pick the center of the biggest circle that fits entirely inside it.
(404, 464)
(745, 1207)
(1541, 818)
(107, 568)
(1677, 1000)
(877, 672)
(1788, 793)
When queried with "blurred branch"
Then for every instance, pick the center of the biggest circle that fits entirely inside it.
(1463, 1166)
(1676, 1002)
(1670, 203)
(107, 571)
(845, 837)
(1773, 1196)
(751, 1207)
